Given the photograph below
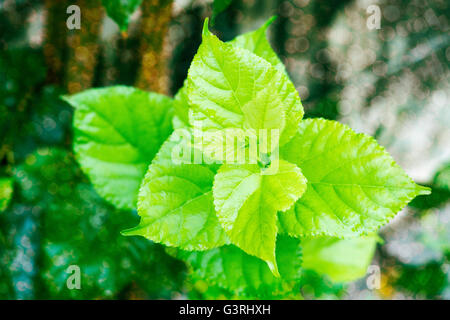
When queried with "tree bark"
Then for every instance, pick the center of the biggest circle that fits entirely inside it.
(55, 39)
(152, 74)
(83, 47)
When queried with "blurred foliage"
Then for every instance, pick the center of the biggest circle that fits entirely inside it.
(415, 259)
(442, 178)
(58, 220)
(120, 11)
(316, 286)
(441, 191)
(218, 7)
(336, 257)
(427, 281)
(392, 83)
(6, 189)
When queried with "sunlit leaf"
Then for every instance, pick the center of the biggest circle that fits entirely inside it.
(176, 204)
(247, 201)
(118, 131)
(354, 186)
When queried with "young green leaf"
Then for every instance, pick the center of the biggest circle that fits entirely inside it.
(232, 269)
(118, 131)
(247, 200)
(341, 260)
(120, 11)
(176, 204)
(354, 186)
(256, 42)
(6, 190)
(230, 87)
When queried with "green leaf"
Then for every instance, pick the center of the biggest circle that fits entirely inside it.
(118, 131)
(176, 204)
(231, 268)
(230, 87)
(181, 108)
(247, 199)
(341, 260)
(257, 43)
(121, 10)
(354, 186)
(6, 190)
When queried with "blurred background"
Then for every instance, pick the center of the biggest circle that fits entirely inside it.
(391, 82)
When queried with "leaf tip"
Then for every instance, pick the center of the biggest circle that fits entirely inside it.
(273, 268)
(205, 31)
(131, 232)
(423, 190)
(64, 97)
(379, 239)
(68, 99)
(269, 21)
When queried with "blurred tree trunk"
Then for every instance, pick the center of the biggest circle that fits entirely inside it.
(55, 39)
(185, 47)
(83, 46)
(152, 74)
